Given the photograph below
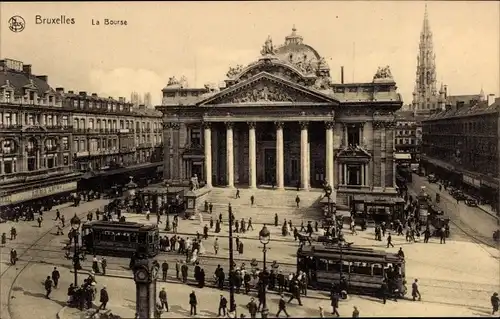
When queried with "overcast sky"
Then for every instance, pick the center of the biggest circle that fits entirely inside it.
(202, 40)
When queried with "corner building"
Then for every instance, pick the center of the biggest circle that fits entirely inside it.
(280, 120)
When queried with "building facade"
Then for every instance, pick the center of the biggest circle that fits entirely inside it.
(49, 138)
(280, 121)
(460, 145)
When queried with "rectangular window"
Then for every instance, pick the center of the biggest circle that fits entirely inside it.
(122, 124)
(196, 136)
(354, 175)
(66, 160)
(50, 162)
(353, 136)
(9, 166)
(65, 143)
(82, 146)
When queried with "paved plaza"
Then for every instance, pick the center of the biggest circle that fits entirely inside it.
(456, 278)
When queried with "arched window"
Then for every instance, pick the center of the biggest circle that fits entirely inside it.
(9, 147)
(51, 145)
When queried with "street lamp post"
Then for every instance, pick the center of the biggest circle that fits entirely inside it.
(232, 302)
(167, 223)
(264, 237)
(75, 225)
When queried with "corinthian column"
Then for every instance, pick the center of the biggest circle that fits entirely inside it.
(304, 153)
(230, 154)
(329, 153)
(208, 154)
(252, 155)
(279, 156)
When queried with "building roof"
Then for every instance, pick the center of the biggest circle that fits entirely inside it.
(478, 108)
(146, 112)
(466, 99)
(20, 80)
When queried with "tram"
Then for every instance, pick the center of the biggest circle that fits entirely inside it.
(360, 270)
(112, 238)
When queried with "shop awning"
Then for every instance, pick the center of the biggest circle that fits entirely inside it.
(402, 156)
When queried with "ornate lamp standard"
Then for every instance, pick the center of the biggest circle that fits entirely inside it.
(167, 223)
(75, 226)
(264, 237)
(131, 187)
(232, 302)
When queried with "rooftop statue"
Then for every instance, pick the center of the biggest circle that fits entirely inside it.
(234, 71)
(183, 82)
(172, 81)
(383, 73)
(267, 48)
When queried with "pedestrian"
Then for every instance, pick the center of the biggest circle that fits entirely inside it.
(276, 220)
(216, 245)
(321, 312)
(252, 200)
(442, 236)
(222, 306)
(282, 307)
(55, 276)
(13, 256)
(48, 287)
(4, 239)
(163, 299)
(237, 193)
(252, 308)
(334, 297)
(177, 269)
(39, 220)
(355, 312)
(383, 291)
(389, 240)
(192, 303)
(297, 200)
(104, 264)
(184, 271)
(494, 302)
(104, 298)
(95, 264)
(164, 269)
(249, 223)
(205, 232)
(414, 290)
(210, 208)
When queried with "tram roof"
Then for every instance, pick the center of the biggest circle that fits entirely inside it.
(349, 253)
(125, 226)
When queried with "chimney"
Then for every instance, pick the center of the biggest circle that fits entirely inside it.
(71, 92)
(491, 99)
(60, 90)
(27, 68)
(121, 99)
(44, 78)
(94, 94)
(460, 104)
(82, 93)
(342, 74)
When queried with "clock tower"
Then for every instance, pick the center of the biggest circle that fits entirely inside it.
(145, 275)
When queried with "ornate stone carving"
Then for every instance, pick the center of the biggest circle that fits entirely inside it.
(207, 125)
(390, 125)
(267, 48)
(262, 94)
(233, 72)
(229, 125)
(378, 124)
(176, 126)
(172, 81)
(383, 73)
(329, 125)
(304, 125)
(279, 125)
(251, 125)
(167, 125)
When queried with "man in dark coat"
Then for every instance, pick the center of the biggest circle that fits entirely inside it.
(276, 220)
(222, 306)
(252, 308)
(192, 303)
(48, 287)
(282, 307)
(205, 232)
(55, 276)
(184, 271)
(334, 297)
(104, 298)
(164, 269)
(163, 299)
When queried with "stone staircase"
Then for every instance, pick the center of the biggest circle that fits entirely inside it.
(267, 203)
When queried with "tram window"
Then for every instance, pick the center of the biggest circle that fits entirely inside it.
(377, 270)
(133, 238)
(142, 238)
(322, 264)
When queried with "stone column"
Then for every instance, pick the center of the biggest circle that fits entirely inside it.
(176, 169)
(329, 153)
(280, 180)
(304, 153)
(230, 154)
(166, 150)
(252, 155)
(363, 174)
(208, 153)
(383, 155)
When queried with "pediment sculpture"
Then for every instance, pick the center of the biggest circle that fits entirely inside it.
(234, 71)
(268, 47)
(383, 73)
(263, 94)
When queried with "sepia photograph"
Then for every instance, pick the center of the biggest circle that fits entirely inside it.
(249, 159)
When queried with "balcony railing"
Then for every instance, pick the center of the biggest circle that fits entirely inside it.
(23, 101)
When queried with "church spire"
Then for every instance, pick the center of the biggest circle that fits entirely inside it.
(425, 94)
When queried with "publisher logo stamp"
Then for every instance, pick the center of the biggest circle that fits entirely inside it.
(17, 24)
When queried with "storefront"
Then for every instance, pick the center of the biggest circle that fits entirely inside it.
(490, 191)
(41, 192)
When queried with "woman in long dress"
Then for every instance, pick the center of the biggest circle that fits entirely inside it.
(202, 248)
(194, 256)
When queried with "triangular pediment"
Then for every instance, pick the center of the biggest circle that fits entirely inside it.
(353, 152)
(267, 89)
